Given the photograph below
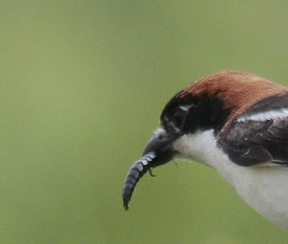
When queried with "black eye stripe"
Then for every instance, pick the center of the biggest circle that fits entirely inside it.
(179, 116)
(188, 114)
(176, 120)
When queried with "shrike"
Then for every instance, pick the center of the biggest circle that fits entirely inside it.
(236, 123)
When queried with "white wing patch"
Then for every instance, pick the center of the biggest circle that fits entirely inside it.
(264, 116)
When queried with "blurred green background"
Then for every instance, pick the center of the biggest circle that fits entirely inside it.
(82, 86)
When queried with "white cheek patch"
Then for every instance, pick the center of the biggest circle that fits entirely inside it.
(264, 116)
(200, 146)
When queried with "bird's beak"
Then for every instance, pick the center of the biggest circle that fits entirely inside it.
(158, 151)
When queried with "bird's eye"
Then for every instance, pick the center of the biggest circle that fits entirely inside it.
(179, 116)
(174, 115)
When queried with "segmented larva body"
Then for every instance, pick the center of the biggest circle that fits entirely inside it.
(137, 170)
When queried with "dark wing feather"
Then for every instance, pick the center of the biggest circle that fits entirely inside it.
(251, 142)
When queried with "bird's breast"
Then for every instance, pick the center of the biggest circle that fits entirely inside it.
(263, 187)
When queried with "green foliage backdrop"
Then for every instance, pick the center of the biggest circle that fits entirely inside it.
(81, 90)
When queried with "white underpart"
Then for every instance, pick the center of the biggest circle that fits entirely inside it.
(264, 188)
(263, 116)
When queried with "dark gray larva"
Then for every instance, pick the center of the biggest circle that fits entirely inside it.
(137, 170)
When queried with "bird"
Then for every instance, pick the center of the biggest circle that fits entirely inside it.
(234, 122)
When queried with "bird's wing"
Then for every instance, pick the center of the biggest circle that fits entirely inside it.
(251, 142)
